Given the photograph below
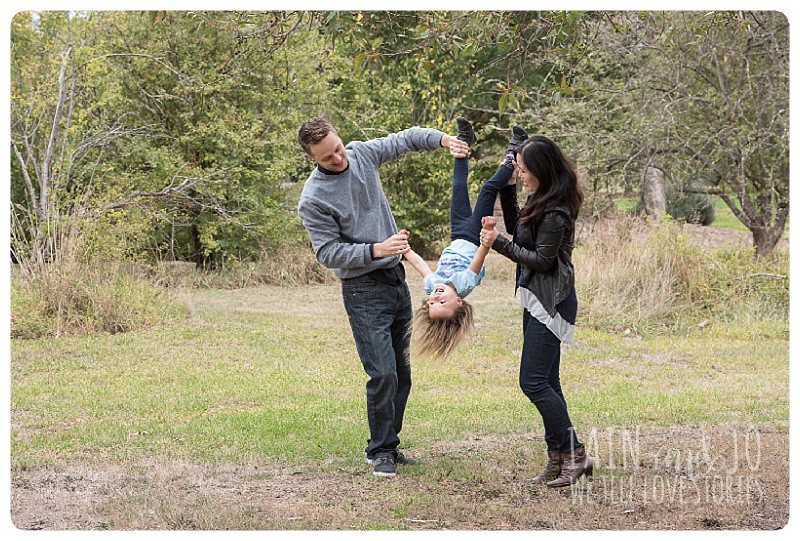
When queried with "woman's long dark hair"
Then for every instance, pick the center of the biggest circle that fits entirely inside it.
(558, 183)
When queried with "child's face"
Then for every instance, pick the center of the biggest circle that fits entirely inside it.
(443, 302)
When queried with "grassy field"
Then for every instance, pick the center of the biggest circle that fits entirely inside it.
(723, 216)
(250, 415)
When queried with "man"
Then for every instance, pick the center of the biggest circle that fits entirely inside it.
(353, 232)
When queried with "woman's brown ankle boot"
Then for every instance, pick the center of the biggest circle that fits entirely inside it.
(573, 465)
(553, 468)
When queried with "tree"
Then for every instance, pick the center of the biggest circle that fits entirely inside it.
(702, 96)
(153, 119)
(73, 131)
(397, 69)
(728, 87)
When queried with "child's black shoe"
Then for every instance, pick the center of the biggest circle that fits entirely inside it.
(465, 131)
(518, 136)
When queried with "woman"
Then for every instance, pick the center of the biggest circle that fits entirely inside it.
(543, 238)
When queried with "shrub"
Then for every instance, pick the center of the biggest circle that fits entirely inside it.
(690, 208)
(747, 288)
(635, 277)
(71, 289)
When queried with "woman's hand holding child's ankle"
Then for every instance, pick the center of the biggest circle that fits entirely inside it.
(489, 231)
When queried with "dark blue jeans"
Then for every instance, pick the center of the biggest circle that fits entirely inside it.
(540, 381)
(464, 222)
(380, 317)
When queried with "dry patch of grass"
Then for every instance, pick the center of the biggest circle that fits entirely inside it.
(288, 265)
(74, 297)
(682, 477)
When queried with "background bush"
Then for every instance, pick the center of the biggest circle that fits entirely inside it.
(690, 207)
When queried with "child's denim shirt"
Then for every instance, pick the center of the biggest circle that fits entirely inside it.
(454, 269)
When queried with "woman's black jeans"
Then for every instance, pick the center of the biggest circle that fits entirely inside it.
(540, 381)
(465, 223)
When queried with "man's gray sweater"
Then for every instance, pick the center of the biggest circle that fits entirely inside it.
(346, 213)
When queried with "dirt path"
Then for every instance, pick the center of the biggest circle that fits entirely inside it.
(688, 478)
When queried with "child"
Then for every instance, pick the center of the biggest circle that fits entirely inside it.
(445, 317)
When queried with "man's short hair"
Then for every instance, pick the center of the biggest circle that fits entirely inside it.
(313, 131)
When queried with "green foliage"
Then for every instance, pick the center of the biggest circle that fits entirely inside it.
(392, 70)
(419, 190)
(180, 132)
(183, 106)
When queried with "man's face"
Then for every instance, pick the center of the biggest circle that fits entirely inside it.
(329, 153)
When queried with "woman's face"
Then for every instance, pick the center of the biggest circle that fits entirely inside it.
(528, 179)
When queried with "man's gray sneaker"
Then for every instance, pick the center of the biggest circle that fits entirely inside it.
(401, 459)
(384, 465)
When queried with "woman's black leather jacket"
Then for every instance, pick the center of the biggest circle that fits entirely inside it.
(542, 250)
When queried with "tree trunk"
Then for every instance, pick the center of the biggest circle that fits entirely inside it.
(765, 237)
(653, 195)
(198, 255)
(764, 240)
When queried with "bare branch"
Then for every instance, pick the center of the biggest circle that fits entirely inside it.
(179, 187)
(744, 218)
(46, 165)
(702, 191)
(28, 183)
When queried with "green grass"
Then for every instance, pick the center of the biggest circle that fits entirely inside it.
(625, 204)
(724, 217)
(272, 374)
(250, 415)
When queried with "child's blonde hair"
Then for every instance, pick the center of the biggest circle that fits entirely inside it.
(437, 338)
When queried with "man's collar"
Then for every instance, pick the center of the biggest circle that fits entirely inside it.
(329, 172)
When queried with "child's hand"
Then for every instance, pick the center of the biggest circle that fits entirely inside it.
(513, 179)
(488, 222)
(397, 244)
(409, 254)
